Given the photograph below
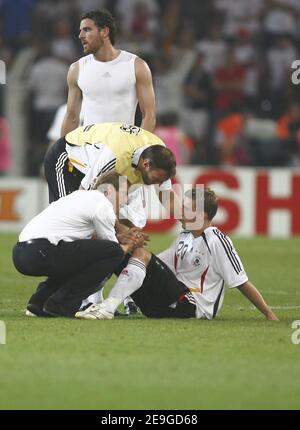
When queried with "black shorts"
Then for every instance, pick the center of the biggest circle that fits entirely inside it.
(161, 289)
(62, 177)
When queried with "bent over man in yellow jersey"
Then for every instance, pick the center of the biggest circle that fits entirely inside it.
(88, 152)
(115, 146)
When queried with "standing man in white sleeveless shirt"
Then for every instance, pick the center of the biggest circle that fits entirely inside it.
(108, 82)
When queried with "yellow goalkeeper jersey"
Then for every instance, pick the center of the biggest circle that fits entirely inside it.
(99, 148)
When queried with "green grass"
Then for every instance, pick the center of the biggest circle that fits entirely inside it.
(237, 361)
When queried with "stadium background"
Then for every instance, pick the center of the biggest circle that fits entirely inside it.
(227, 96)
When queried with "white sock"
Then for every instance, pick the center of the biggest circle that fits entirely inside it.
(96, 297)
(130, 280)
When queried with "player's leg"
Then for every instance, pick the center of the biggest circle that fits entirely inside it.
(36, 302)
(96, 297)
(161, 293)
(129, 280)
(54, 162)
(135, 213)
(33, 258)
(62, 177)
(86, 264)
(157, 291)
(76, 268)
(185, 307)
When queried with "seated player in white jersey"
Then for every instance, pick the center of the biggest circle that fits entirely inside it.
(73, 242)
(189, 279)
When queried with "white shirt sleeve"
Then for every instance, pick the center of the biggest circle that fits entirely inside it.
(104, 222)
(101, 163)
(227, 262)
(168, 256)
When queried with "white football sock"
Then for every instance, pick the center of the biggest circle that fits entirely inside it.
(97, 297)
(130, 280)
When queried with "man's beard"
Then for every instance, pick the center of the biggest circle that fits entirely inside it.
(145, 178)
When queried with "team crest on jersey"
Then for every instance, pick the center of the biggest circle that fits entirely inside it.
(131, 129)
(197, 261)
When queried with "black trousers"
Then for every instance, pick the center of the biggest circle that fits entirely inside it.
(74, 269)
(62, 177)
(161, 289)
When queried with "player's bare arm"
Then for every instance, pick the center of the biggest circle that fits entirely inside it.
(71, 120)
(256, 298)
(145, 94)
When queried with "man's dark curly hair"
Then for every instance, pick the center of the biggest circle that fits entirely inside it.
(161, 157)
(103, 18)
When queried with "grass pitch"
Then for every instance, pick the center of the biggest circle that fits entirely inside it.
(238, 361)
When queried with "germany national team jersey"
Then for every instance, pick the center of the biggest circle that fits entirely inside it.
(99, 148)
(205, 264)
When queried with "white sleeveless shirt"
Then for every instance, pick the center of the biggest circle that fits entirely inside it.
(108, 89)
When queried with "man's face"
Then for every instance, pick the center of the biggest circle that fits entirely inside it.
(151, 175)
(191, 218)
(91, 37)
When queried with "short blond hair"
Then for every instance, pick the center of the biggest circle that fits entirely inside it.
(111, 178)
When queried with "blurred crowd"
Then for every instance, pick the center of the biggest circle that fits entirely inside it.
(221, 68)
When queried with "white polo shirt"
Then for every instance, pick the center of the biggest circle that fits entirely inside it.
(77, 216)
(206, 265)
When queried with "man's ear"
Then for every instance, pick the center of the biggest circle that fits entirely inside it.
(105, 32)
(146, 164)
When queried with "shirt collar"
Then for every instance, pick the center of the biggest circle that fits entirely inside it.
(137, 155)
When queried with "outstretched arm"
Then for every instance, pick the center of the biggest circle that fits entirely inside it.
(145, 94)
(256, 298)
(71, 120)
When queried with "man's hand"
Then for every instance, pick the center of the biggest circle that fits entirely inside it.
(134, 234)
(254, 296)
(137, 231)
(271, 317)
(136, 240)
